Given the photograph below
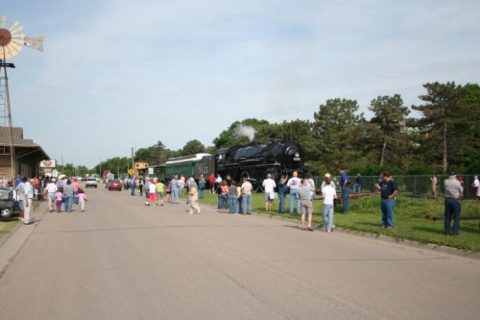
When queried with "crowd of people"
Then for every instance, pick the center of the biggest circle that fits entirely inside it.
(61, 194)
(157, 192)
(236, 197)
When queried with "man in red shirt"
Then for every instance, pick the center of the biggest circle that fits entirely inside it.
(211, 181)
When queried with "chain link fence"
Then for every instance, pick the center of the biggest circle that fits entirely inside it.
(415, 185)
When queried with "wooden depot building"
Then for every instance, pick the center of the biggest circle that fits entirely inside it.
(27, 154)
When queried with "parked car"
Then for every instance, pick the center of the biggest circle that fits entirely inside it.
(91, 182)
(7, 203)
(115, 185)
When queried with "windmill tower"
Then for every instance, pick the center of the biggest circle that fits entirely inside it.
(12, 40)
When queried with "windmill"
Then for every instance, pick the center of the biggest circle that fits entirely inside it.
(12, 41)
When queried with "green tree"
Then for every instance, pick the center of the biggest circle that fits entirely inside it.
(192, 147)
(337, 129)
(155, 154)
(116, 165)
(440, 127)
(390, 119)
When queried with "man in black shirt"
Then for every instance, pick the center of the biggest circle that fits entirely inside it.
(388, 192)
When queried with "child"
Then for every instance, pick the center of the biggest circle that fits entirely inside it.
(194, 207)
(82, 198)
(160, 188)
(152, 193)
(59, 199)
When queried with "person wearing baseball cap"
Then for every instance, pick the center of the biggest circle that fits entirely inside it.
(388, 193)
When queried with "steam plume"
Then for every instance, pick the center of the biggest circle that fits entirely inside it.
(245, 131)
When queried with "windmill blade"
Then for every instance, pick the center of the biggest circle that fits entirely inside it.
(19, 39)
(16, 47)
(16, 28)
(17, 33)
(35, 42)
(12, 50)
(16, 25)
(3, 22)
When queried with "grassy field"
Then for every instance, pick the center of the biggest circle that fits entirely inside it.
(416, 219)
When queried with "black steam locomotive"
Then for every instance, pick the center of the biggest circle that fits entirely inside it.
(253, 160)
(257, 160)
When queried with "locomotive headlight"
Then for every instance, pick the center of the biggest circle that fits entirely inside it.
(296, 157)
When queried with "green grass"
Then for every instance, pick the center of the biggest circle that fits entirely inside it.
(416, 219)
(7, 226)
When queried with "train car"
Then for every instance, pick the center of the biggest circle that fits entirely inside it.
(257, 160)
(192, 165)
(159, 171)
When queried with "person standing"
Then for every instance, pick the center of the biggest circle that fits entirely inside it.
(174, 187)
(59, 199)
(246, 189)
(75, 186)
(329, 182)
(29, 194)
(160, 189)
(193, 194)
(329, 195)
(224, 196)
(434, 181)
(311, 184)
(305, 198)
(202, 183)
(133, 185)
(388, 193)
(269, 187)
(357, 187)
(152, 193)
(140, 186)
(232, 197)
(218, 180)
(294, 185)
(211, 183)
(345, 190)
(82, 198)
(51, 189)
(282, 190)
(20, 191)
(453, 207)
(239, 198)
(68, 193)
(475, 187)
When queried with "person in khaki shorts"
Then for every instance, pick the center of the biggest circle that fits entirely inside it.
(29, 193)
(304, 195)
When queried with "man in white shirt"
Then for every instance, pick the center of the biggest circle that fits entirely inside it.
(269, 188)
(329, 195)
(28, 190)
(51, 189)
(294, 185)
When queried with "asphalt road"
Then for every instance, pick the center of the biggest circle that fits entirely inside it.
(123, 260)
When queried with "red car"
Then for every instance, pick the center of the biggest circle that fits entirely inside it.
(115, 185)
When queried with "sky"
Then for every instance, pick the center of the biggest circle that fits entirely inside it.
(119, 74)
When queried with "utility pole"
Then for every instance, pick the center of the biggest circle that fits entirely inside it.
(133, 158)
